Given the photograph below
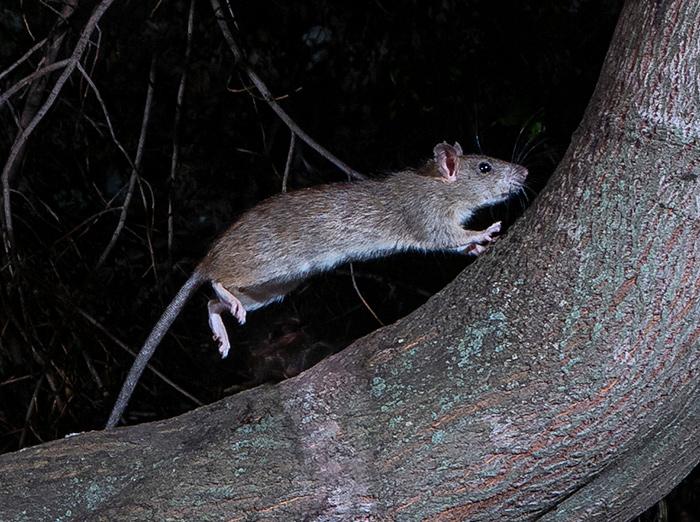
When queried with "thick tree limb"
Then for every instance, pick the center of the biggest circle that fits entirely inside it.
(642, 475)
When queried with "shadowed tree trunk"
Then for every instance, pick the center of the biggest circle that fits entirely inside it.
(557, 377)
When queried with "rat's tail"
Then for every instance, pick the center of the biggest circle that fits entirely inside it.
(157, 334)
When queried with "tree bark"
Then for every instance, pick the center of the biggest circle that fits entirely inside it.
(557, 377)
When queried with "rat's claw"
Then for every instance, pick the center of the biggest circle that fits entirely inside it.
(238, 312)
(224, 347)
(478, 242)
(493, 229)
(475, 249)
(216, 323)
(487, 235)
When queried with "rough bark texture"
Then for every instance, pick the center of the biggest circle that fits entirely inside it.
(556, 377)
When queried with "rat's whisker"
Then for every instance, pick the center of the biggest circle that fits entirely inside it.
(522, 130)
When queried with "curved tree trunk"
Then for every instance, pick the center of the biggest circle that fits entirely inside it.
(556, 377)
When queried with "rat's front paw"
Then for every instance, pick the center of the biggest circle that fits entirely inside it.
(487, 235)
(480, 241)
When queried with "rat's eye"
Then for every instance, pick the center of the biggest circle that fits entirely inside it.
(484, 167)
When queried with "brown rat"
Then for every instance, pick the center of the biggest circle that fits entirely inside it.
(272, 247)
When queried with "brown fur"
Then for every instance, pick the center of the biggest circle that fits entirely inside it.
(292, 235)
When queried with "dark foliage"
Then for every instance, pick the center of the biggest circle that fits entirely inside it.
(377, 82)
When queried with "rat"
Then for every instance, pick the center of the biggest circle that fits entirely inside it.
(281, 241)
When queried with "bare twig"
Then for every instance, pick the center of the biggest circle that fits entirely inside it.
(50, 7)
(30, 410)
(26, 132)
(31, 78)
(96, 91)
(149, 237)
(13, 380)
(89, 220)
(389, 282)
(92, 370)
(267, 96)
(287, 165)
(26, 26)
(176, 126)
(137, 164)
(35, 94)
(124, 347)
(93, 63)
(359, 294)
(157, 6)
(23, 58)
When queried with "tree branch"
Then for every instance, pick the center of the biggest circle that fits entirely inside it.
(176, 127)
(31, 78)
(124, 347)
(23, 136)
(137, 164)
(288, 163)
(105, 112)
(22, 59)
(267, 96)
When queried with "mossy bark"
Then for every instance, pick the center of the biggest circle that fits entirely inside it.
(555, 377)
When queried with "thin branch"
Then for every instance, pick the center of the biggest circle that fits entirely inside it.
(287, 165)
(26, 26)
(35, 93)
(137, 164)
(30, 79)
(50, 7)
(359, 294)
(23, 136)
(392, 283)
(93, 63)
(100, 100)
(124, 347)
(176, 126)
(87, 221)
(13, 380)
(149, 223)
(23, 58)
(267, 96)
(30, 409)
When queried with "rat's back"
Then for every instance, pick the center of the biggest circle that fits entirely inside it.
(295, 234)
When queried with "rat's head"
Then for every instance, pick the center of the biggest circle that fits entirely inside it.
(493, 180)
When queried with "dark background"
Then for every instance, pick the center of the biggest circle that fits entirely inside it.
(378, 83)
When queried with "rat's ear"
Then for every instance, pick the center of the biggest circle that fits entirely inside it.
(447, 160)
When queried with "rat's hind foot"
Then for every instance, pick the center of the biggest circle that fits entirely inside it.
(475, 249)
(216, 323)
(235, 306)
